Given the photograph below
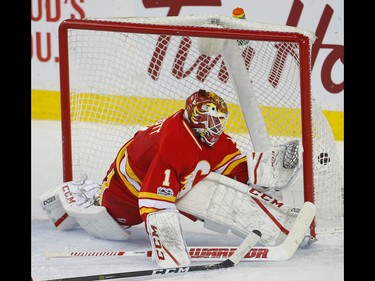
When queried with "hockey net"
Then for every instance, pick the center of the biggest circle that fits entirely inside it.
(119, 75)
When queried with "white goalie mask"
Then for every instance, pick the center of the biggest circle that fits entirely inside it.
(207, 114)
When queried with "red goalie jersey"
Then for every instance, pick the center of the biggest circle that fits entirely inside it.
(163, 162)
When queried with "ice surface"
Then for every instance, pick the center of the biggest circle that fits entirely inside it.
(323, 260)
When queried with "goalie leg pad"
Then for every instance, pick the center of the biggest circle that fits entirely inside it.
(93, 219)
(168, 245)
(225, 203)
(56, 213)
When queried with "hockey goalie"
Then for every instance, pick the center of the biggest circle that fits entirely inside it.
(183, 165)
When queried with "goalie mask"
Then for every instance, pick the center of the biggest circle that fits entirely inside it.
(207, 114)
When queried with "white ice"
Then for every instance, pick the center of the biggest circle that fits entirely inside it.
(323, 260)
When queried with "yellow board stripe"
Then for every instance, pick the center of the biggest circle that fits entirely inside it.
(46, 106)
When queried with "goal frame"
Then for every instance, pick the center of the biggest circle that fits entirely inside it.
(196, 31)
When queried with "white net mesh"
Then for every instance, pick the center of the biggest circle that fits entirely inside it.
(123, 81)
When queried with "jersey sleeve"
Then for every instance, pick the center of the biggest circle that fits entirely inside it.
(234, 162)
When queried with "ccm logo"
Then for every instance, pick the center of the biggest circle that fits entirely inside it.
(157, 242)
(265, 197)
(49, 200)
(68, 194)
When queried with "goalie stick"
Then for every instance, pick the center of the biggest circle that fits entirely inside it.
(197, 253)
(245, 246)
(246, 94)
(284, 251)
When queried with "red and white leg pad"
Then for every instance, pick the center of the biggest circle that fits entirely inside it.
(168, 245)
(226, 204)
(73, 204)
(52, 207)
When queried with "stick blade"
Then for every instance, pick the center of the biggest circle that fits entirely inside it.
(246, 246)
(299, 229)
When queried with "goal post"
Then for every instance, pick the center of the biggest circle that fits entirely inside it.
(118, 75)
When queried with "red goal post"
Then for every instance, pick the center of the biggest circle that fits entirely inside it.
(118, 75)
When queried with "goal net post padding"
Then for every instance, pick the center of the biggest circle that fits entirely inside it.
(118, 75)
